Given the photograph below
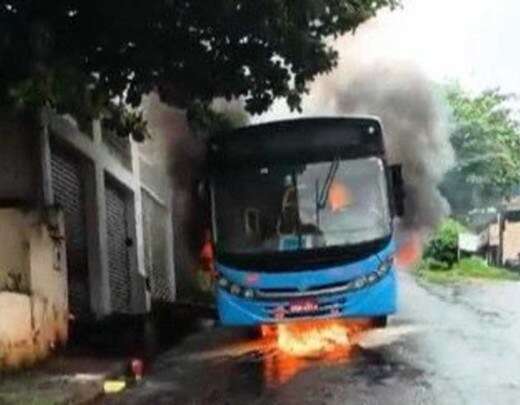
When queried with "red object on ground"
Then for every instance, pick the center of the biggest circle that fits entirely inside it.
(137, 368)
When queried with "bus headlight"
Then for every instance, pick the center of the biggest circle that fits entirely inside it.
(385, 266)
(223, 282)
(360, 282)
(249, 293)
(235, 289)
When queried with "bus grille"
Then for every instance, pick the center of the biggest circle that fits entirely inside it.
(326, 307)
(288, 293)
(281, 294)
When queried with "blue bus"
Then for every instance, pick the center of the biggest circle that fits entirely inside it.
(302, 221)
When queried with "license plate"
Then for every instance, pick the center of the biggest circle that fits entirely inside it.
(299, 306)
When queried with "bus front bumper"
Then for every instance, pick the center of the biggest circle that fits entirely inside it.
(378, 299)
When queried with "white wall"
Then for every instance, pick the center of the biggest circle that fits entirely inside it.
(34, 314)
(104, 162)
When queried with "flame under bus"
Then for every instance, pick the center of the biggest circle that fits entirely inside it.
(302, 221)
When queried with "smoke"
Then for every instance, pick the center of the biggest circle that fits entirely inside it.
(415, 125)
(181, 154)
(175, 148)
(416, 134)
(374, 77)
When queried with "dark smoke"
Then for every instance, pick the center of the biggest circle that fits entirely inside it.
(416, 133)
(415, 125)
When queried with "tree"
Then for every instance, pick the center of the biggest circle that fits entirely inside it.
(97, 56)
(486, 137)
(204, 120)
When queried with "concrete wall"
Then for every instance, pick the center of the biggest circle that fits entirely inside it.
(34, 309)
(14, 248)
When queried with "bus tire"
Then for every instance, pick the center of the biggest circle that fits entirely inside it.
(380, 321)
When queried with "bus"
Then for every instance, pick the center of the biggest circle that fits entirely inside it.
(302, 221)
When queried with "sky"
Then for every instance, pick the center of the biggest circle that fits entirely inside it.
(476, 42)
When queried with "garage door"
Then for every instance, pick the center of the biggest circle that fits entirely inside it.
(155, 221)
(69, 193)
(118, 247)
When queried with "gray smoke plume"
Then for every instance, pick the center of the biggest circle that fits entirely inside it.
(416, 135)
(182, 155)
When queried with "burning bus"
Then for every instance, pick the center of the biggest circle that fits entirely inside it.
(302, 221)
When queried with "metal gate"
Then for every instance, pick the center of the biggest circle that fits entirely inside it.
(69, 193)
(155, 221)
(118, 246)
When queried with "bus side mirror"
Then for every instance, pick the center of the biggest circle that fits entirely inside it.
(398, 194)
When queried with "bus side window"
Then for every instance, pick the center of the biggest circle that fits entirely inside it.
(252, 222)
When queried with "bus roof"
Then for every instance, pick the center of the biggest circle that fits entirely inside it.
(303, 121)
(302, 139)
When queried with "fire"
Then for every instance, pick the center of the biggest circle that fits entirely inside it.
(339, 196)
(268, 331)
(409, 252)
(298, 346)
(280, 368)
(311, 338)
(285, 350)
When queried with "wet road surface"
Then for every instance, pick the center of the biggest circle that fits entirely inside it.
(447, 345)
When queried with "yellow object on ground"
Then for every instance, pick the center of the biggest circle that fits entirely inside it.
(114, 386)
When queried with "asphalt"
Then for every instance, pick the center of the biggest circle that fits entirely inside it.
(447, 345)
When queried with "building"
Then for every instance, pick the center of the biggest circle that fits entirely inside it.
(498, 241)
(103, 207)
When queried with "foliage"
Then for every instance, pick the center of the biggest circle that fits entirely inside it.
(125, 122)
(471, 268)
(80, 56)
(486, 138)
(443, 246)
(204, 119)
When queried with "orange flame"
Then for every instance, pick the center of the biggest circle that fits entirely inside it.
(288, 349)
(409, 252)
(280, 368)
(312, 338)
(299, 345)
(339, 196)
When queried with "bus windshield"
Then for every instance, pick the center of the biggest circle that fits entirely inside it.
(316, 205)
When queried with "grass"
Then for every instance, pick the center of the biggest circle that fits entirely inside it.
(465, 269)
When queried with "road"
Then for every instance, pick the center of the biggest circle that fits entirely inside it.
(447, 345)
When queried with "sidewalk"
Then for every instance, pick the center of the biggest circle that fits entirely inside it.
(61, 380)
(103, 352)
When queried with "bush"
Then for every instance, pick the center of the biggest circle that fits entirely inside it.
(443, 246)
(437, 265)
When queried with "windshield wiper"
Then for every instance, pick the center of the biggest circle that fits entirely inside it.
(322, 196)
